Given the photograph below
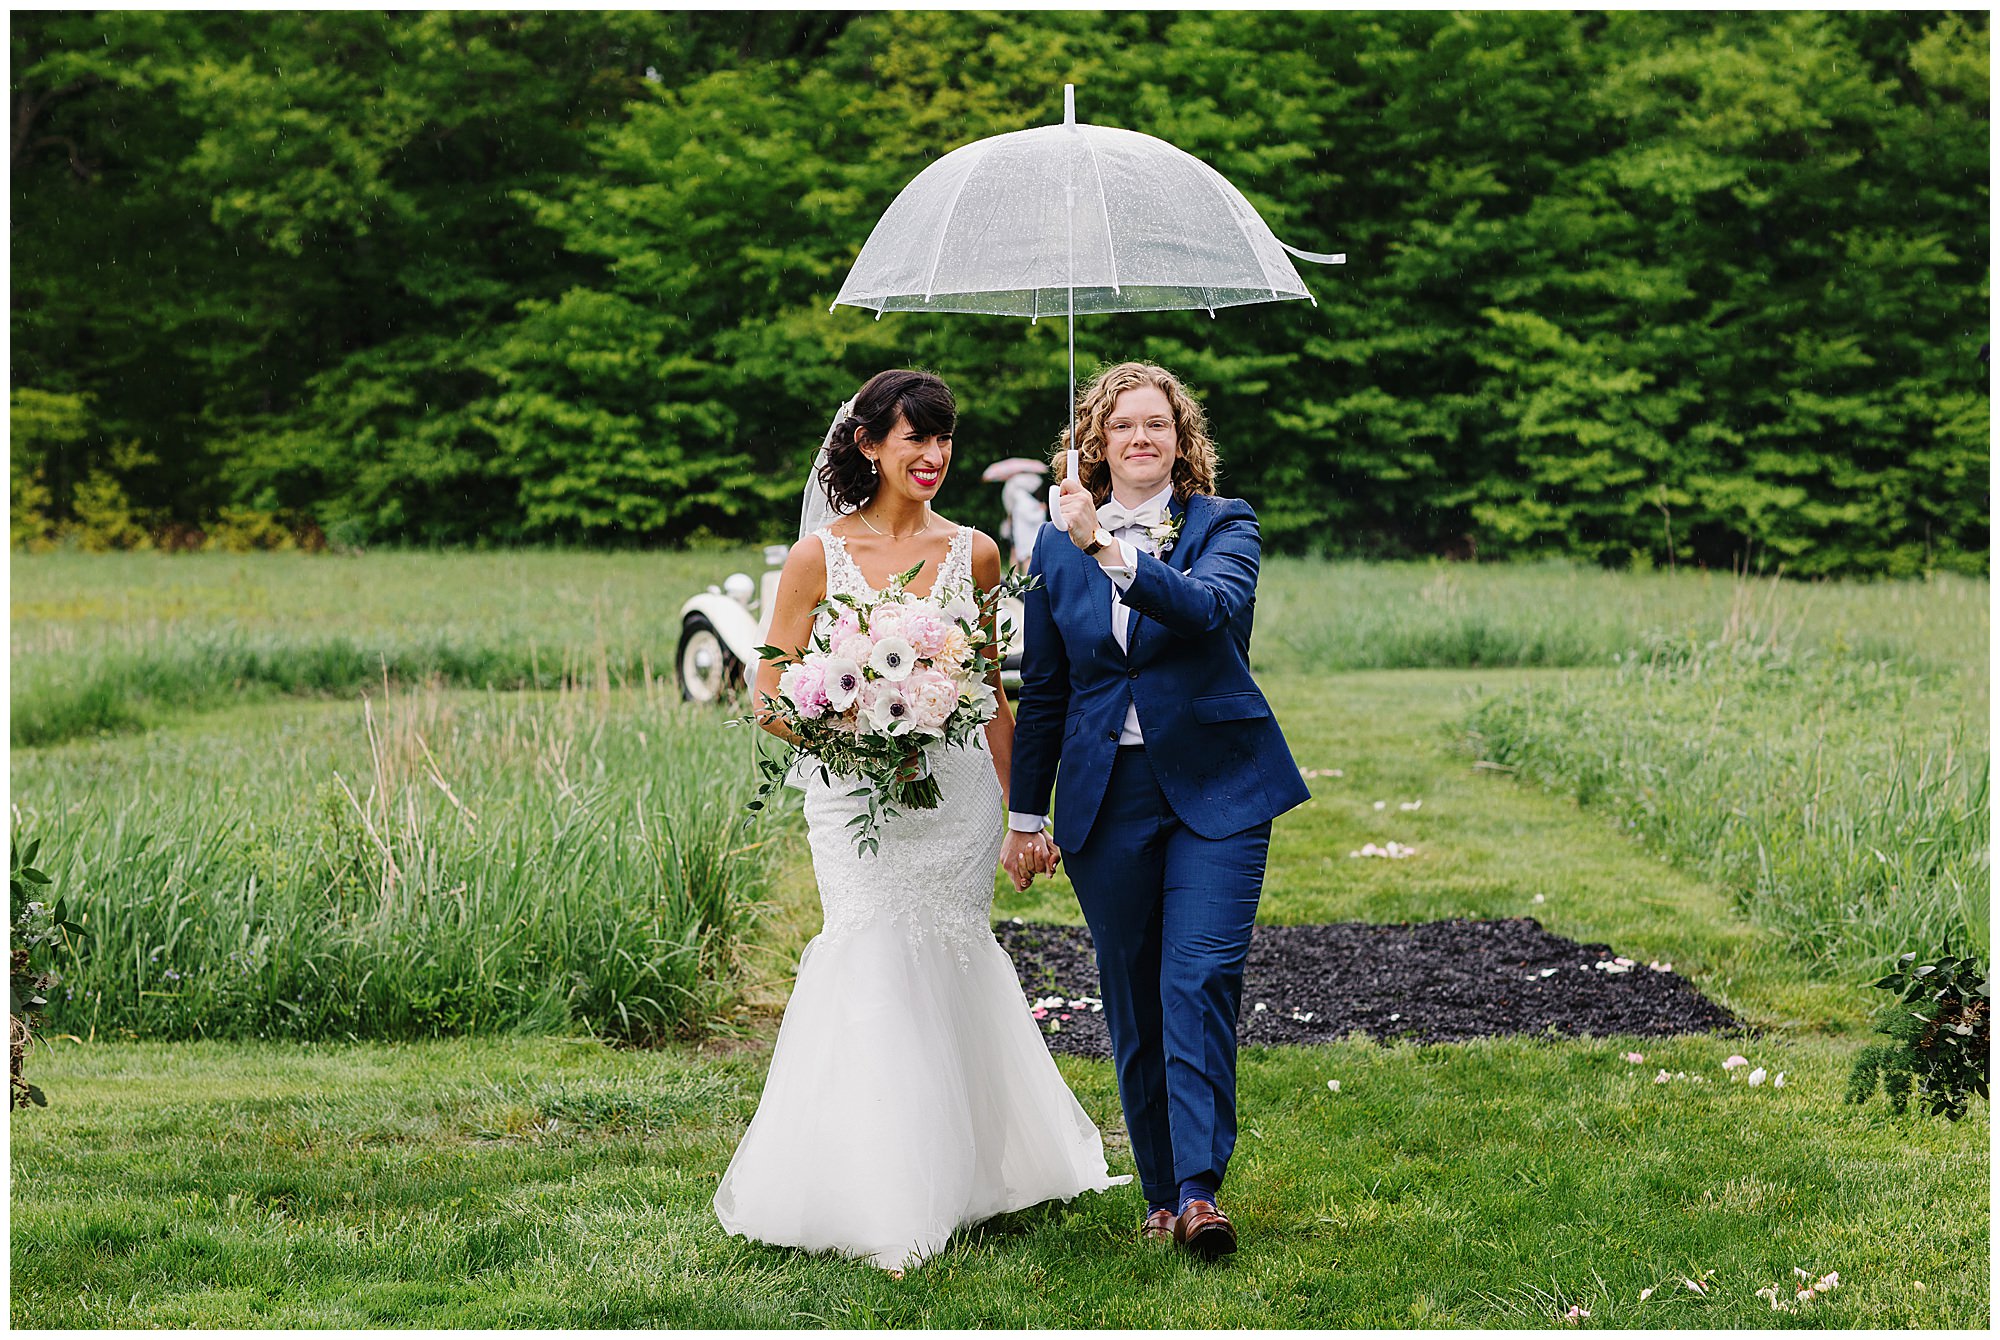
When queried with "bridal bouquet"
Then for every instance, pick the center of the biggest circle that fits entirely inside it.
(887, 678)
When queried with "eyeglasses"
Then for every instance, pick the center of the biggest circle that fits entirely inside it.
(1122, 428)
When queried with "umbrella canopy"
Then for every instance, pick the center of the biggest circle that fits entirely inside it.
(1068, 219)
(1013, 465)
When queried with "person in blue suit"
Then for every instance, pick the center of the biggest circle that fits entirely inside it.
(1136, 693)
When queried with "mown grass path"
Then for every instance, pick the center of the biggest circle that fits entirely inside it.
(553, 1182)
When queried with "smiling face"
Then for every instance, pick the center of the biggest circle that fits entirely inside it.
(1140, 443)
(912, 463)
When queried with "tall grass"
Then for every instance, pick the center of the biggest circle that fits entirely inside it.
(1842, 800)
(414, 865)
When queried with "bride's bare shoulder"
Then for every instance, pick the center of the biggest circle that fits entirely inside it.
(807, 558)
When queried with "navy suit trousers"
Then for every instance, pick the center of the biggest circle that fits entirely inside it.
(1170, 913)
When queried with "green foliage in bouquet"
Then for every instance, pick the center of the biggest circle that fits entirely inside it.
(37, 927)
(1941, 1038)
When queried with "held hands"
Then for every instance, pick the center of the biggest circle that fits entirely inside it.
(1079, 511)
(1025, 855)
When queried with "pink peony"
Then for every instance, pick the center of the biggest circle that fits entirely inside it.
(927, 632)
(846, 625)
(956, 653)
(885, 620)
(805, 685)
(856, 647)
(932, 697)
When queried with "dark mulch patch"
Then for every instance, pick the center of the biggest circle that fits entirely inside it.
(1436, 981)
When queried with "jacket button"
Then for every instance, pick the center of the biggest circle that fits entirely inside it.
(1131, 674)
(1111, 735)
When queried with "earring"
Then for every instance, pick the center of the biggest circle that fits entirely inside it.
(872, 468)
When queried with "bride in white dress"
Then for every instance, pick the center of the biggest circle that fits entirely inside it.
(910, 1093)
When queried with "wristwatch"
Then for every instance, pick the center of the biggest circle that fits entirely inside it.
(1098, 540)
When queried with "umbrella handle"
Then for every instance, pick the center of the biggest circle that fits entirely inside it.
(1055, 493)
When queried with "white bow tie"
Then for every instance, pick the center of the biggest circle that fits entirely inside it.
(1115, 518)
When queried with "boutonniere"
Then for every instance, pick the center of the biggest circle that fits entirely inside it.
(1164, 534)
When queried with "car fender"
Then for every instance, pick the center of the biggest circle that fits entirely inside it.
(736, 626)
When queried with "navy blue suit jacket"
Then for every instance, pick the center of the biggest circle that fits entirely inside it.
(1214, 745)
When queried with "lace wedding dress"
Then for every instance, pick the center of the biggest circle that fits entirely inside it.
(910, 1092)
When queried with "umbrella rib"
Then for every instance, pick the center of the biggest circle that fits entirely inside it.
(1213, 178)
(1110, 243)
(945, 226)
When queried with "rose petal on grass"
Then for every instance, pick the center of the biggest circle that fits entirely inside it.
(1334, 1085)
(1735, 1061)
(1634, 1058)
(1644, 1294)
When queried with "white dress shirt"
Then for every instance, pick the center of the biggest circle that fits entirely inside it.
(1131, 539)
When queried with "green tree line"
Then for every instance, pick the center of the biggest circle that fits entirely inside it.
(1635, 287)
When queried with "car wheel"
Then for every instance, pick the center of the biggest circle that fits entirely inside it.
(708, 672)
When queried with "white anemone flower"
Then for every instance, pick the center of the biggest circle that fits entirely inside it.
(843, 682)
(893, 659)
(887, 712)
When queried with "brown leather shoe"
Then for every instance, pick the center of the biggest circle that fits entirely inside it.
(1159, 1227)
(1205, 1230)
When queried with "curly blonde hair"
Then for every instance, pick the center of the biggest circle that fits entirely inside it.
(1195, 464)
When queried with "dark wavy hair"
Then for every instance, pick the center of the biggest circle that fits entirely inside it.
(921, 398)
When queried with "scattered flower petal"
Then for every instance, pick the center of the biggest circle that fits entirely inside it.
(1662, 1077)
(1260, 1008)
(1735, 1061)
(1407, 806)
(1540, 899)
(1333, 1084)
(1757, 1077)
(1779, 1082)
(1381, 804)
(1696, 1285)
(1634, 1058)
(1644, 1294)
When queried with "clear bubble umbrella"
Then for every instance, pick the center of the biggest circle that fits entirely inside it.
(1068, 219)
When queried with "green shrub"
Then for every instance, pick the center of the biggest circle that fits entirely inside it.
(1941, 1031)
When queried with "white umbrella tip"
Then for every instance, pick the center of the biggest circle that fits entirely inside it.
(1069, 104)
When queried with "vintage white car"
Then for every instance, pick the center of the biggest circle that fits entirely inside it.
(722, 628)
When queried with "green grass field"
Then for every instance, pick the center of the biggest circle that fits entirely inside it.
(525, 1175)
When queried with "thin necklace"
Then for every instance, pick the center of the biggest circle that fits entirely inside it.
(887, 536)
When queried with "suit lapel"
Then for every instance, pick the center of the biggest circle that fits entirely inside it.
(1096, 594)
(1193, 515)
